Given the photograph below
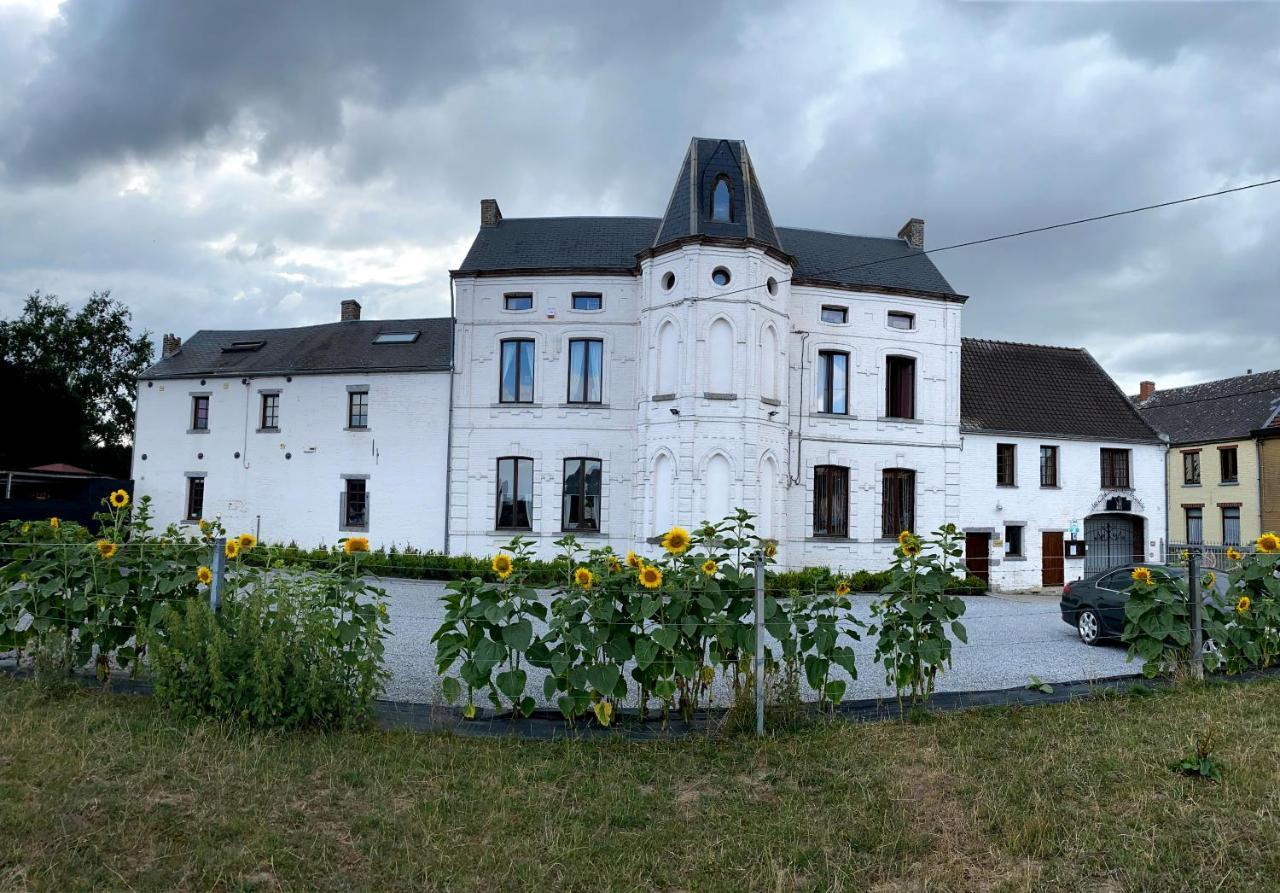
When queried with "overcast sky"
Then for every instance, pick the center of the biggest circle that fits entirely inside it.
(242, 164)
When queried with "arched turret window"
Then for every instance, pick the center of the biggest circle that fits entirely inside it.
(720, 358)
(721, 200)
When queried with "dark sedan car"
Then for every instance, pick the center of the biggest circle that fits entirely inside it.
(1095, 604)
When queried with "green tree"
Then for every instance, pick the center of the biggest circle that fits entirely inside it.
(93, 350)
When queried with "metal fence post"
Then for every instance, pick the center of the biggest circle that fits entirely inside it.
(1197, 634)
(219, 567)
(759, 662)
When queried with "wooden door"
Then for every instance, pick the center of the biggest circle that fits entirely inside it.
(977, 555)
(1051, 549)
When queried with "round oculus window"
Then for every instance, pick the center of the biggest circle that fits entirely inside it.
(772, 285)
(720, 276)
(668, 281)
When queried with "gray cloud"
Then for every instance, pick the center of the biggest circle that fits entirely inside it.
(248, 164)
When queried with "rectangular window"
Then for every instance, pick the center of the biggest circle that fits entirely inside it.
(270, 416)
(898, 499)
(837, 315)
(1227, 465)
(588, 302)
(355, 504)
(1013, 541)
(830, 500)
(1195, 525)
(357, 409)
(833, 381)
(900, 388)
(200, 413)
(515, 494)
(581, 505)
(900, 320)
(1048, 466)
(517, 301)
(195, 498)
(1191, 467)
(1115, 468)
(1006, 456)
(586, 356)
(516, 372)
(1231, 525)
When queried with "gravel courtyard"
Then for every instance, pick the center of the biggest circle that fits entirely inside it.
(1009, 641)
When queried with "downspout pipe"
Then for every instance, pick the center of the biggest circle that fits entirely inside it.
(448, 448)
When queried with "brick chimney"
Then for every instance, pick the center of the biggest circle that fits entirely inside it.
(912, 232)
(169, 345)
(1146, 389)
(490, 213)
(350, 310)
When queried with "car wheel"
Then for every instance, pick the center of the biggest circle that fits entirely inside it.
(1089, 626)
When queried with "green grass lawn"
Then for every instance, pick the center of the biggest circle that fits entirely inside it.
(101, 791)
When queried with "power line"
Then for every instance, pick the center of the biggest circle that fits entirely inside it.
(1019, 233)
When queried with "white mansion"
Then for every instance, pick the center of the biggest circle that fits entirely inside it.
(612, 376)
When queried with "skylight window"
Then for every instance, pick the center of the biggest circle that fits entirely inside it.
(243, 346)
(396, 337)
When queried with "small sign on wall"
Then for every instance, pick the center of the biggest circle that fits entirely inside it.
(1074, 548)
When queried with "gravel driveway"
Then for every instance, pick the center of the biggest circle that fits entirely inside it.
(1009, 641)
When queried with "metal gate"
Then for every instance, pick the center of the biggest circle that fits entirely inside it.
(1110, 542)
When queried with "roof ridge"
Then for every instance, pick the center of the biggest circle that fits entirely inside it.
(1032, 344)
(1215, 381)
(833, 232)
(583, 217)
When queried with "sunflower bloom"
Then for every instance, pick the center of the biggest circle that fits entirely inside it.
(355, 544)
(770, 549)
(709, 567)
(118, 499)
(106, 548)
(1209, 579)
(203, 575)
(634, 561)
(247, 541)
(1242, 606)
(1184, 555)
(55, 523)
(904, 538)
(650, 577)
(502, 565)
(842, 588)
(205, 527)
(1233, 553)
(232, 548)
(584, 578)
(676, 540)
(26, 528)
(1142, 575)
(614, 564)
(911, 548)
(1269, 543)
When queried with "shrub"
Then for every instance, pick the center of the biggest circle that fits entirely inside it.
(1246, 629)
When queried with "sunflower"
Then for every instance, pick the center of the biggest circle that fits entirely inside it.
(1233, 553)
(355, 544)
(55, 523)
(247, 541)
(584, 578)
(106, 548)
(1142, 575)
(1242, 606)
(26, 528)
(904, 538)
(650, 577)
(676, 540)
(204, 575)
(709, 567)
(119, 499)
(1184, 555)
(634, 561)
(842, 588)
(911, 548)
(1269, 543)
(614, 564)
(1209, 579)
(770, 549)
(232, 548)
(205, 526)
(502, 565)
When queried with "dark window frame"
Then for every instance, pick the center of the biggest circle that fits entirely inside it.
(894, 395)
(582, 495)
(1197, 512)
(587, 295)
(1116, 468)
(1006, 468)
(1227, 539)
(517, 296)
(195, 497)
(831, 501)
(834, 308)
(904, 315)
(897, 501)
(585, 378)
(269, 412)
(1049, 470)
(358, 410)
(200, 412)
(729, 209)
(355, 511)
(519, 345)
(826, 360)
(1021, 538)
(1223, 463)
(1191, 473)
(515, 492)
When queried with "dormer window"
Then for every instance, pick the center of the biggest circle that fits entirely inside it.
(721, 204)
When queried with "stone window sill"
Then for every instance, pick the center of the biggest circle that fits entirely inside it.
(584, 405)
(833, 415)
(197, 430)
(770, 401)
(364, 430)
(662, 398)
(1229, 483)
(515, 406)
(1015, 558)
(712, 395)
(899, 420)
(267, 431)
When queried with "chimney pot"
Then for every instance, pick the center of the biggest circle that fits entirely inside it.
(169, 345)
(912, 232)
(1146, 389)
(350, 310)
(490, 213)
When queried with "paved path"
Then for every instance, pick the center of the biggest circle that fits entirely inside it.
(1009, 641)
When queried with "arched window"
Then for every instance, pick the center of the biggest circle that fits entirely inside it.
(768, 493)
(668, 358)
(664, 493)
(720, 359)
(718, 480)
(769, 363)
(721, 200)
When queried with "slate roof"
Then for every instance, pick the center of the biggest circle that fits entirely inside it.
(1032, 389)
(1226, 409)
(329, 347)
(862, 260)
(689, 209)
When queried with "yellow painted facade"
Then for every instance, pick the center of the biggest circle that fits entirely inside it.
(1212, 494)
(1269, 453)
